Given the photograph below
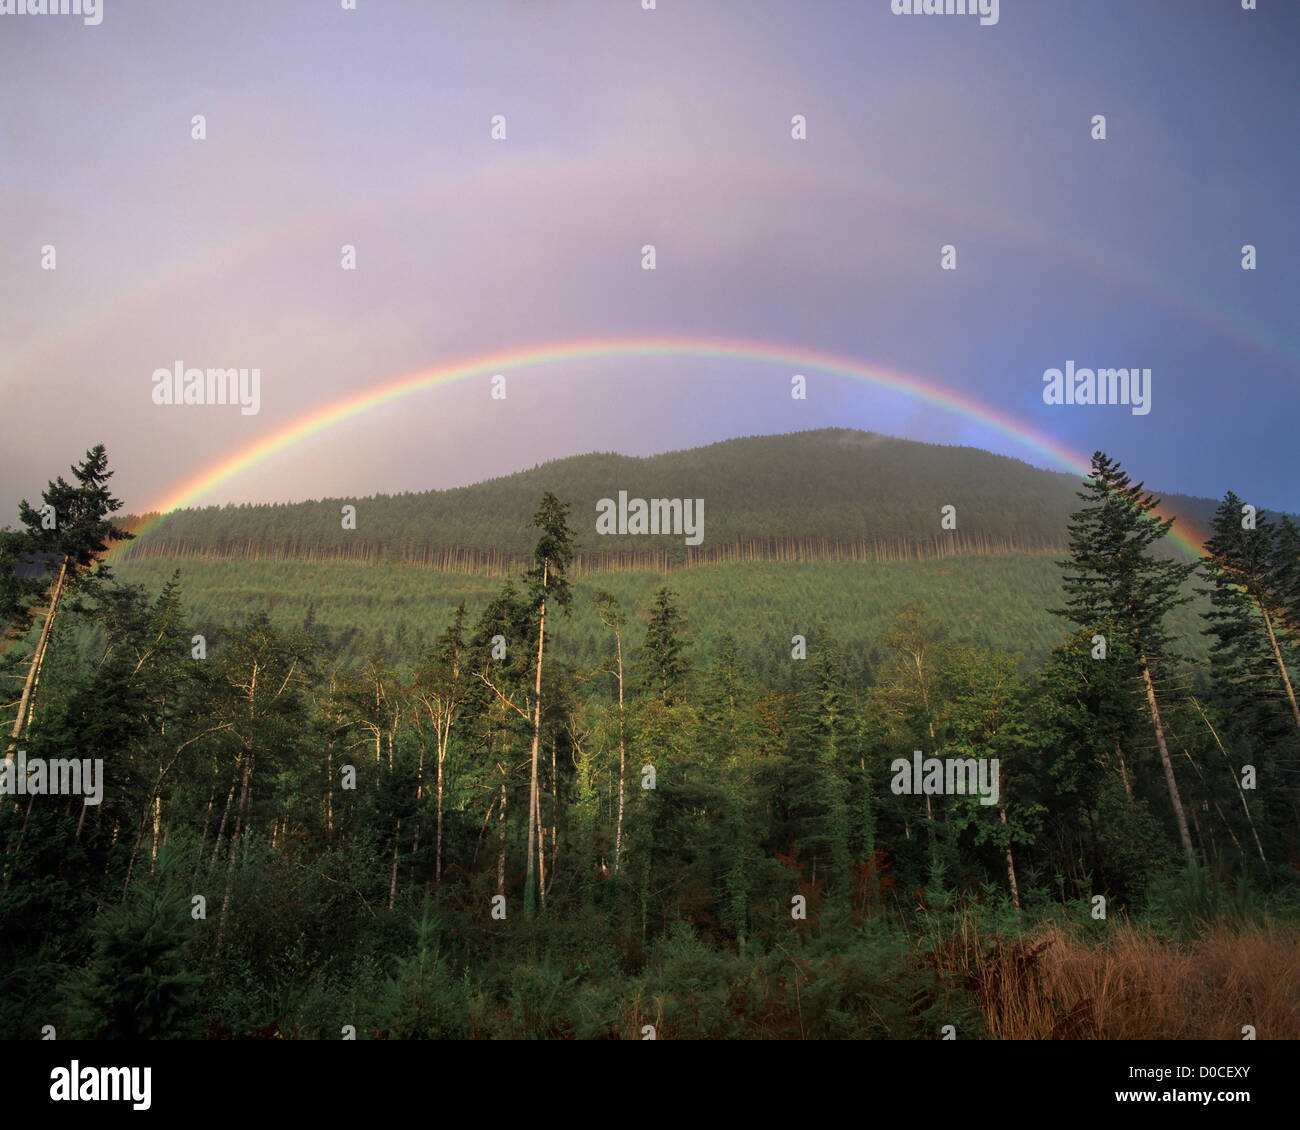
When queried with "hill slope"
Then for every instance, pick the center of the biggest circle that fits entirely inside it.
(999, 602)
(831, 494)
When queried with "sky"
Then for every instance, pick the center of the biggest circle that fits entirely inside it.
(627, 127)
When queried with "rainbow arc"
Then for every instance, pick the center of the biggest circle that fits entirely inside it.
(320, 419)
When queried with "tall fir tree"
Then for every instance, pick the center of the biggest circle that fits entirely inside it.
(547, 582)
(72, 527)
(729, 740)
(499, 659)
(613, 617)
(819, 788)
(1248, 607)
(664, 663)
(1112, 577)
(1284, 571)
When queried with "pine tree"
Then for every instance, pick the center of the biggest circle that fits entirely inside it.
(1247, 653)
(547, 581)
(612, 616)
(1284, 571)
(1113, 578)
(83, 530)
(73, 528)
(493, 698)
(818, 740)
(137, 983)
(664, 664)
(729, 737)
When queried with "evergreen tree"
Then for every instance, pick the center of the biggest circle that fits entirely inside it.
(664, 664)
(82, 528)
(1112, 577)
(73, 528)
(819, 789)
(137, 983)
(1284, 567)
(1248, 607)
(547, 581)
(613, 617)
(499, 660)
(729, 739)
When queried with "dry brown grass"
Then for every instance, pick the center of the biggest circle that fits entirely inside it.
(1134, 986)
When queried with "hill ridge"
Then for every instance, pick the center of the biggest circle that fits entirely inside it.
(820, 494)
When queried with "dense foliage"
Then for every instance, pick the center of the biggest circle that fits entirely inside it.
(706, 813)
(994, 602)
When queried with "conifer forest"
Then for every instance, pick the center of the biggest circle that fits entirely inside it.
(755, 523)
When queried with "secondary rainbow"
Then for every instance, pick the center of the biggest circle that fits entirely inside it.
(796, 358)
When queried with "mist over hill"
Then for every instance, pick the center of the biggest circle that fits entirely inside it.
(829, 494)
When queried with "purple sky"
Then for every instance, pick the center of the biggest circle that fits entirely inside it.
(628, 127)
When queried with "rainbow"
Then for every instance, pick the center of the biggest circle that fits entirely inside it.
(318, 420)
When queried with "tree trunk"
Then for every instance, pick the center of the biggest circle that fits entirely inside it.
(38, 657)
(1174, 798)
(234, 849)
(1123, 772)
(392, 883)
(154, 803)
(437, 863)
(929, 809)
(541, 849)
(157, 819)
(419, 793)
(501, 842)
(1011, 863)
(555, 809)
(1236, 780)
(534, 814)
(1281, 666)
(622, 755)
(221, 828)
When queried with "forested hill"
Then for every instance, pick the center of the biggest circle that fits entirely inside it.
(827, 494)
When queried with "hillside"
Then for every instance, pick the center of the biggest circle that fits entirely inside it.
(836, 524)
(998, 602)
(831, 494)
